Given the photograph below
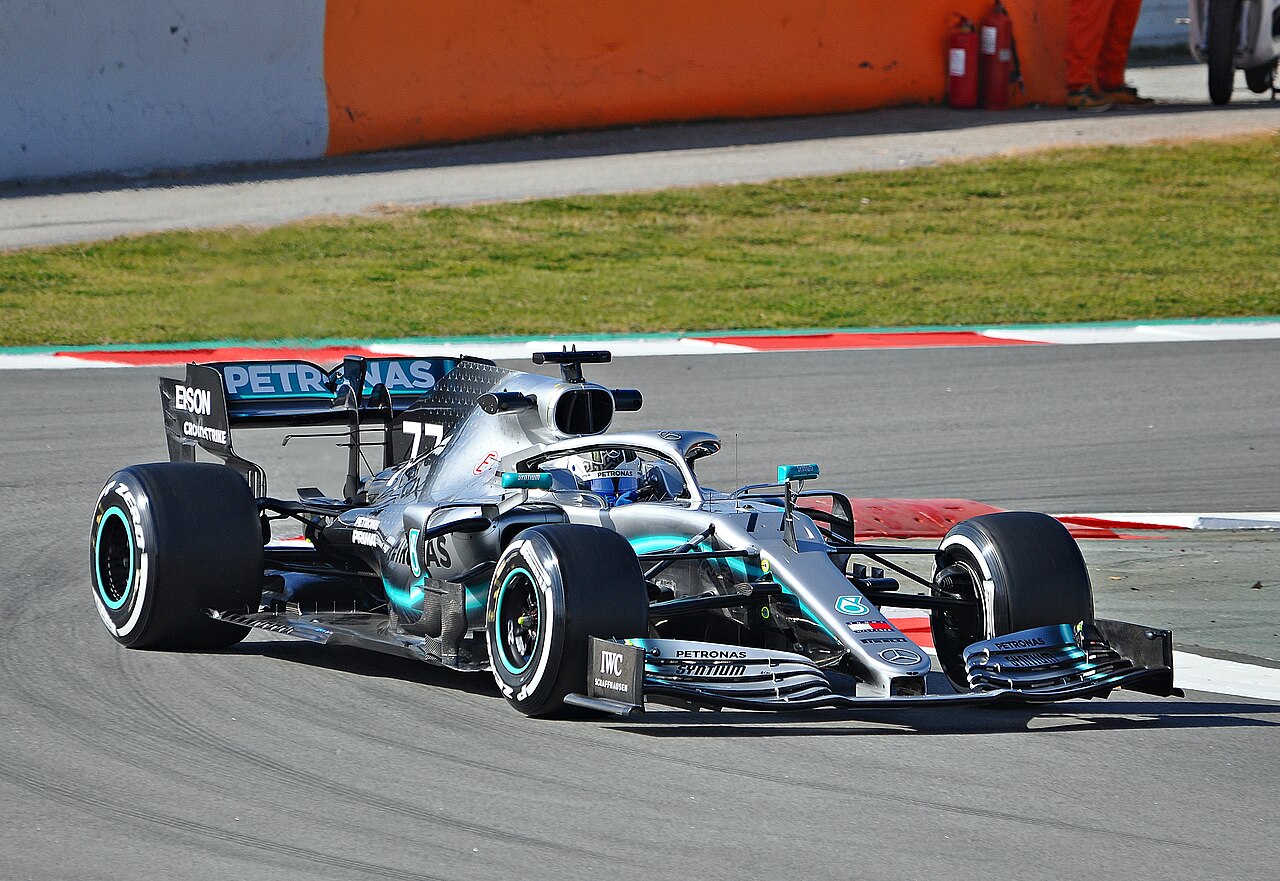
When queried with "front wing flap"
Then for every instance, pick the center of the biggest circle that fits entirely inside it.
(1063, 660)
(1040, 665)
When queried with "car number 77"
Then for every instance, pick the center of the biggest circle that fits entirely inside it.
(426, 436)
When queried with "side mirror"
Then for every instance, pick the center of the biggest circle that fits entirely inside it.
(788, 473)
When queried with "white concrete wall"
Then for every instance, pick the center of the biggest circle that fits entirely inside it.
(1156, 24)
(121, 85)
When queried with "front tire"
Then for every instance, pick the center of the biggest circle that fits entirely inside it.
(169, 541)
(1224, 23)
(1022, 569)
(554, 588)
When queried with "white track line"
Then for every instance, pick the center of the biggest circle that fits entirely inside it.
(1225, 677)
(49, 361)
(1232, 520)
(1141, 333)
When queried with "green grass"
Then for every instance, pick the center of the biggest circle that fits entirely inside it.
(1176, 231)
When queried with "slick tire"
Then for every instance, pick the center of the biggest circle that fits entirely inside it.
(1023, 569)
(168, 542)
(554, 588)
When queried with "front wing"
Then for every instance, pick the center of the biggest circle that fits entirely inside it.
(1032, 666)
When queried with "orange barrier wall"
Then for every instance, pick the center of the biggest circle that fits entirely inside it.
(406, 72)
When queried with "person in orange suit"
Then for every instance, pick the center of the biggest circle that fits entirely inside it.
(1097, 50)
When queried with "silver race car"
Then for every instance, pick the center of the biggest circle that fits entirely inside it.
(507, 530)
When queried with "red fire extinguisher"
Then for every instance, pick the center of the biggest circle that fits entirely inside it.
(962, 65)
(996, 32)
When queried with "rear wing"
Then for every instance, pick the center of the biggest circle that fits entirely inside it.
(201, 409)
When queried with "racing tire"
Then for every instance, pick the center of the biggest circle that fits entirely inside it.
(170, 541)
(1023, 569)
(1261, 78)
(554, 587)
(1224, 22)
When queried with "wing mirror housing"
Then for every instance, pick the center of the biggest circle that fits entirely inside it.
(788, 473)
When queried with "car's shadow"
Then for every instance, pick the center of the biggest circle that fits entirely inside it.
(1078, 715)
(1116, 714)
(361, 662)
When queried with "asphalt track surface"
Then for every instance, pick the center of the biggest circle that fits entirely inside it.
(281, 760)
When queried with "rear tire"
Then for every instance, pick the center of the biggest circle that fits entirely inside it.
(169, 541)
(1023, 569)
(1261, 78)
(554, 588)
(1223, 24)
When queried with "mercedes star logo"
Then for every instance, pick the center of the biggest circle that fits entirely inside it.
(901, 657)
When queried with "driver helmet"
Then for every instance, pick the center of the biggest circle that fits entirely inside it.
(613, 473)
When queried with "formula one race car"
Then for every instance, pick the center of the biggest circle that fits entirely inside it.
(505, 530)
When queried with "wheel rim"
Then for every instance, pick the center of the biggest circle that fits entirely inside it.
(114, 559)
(955, 631)
(518, 620)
